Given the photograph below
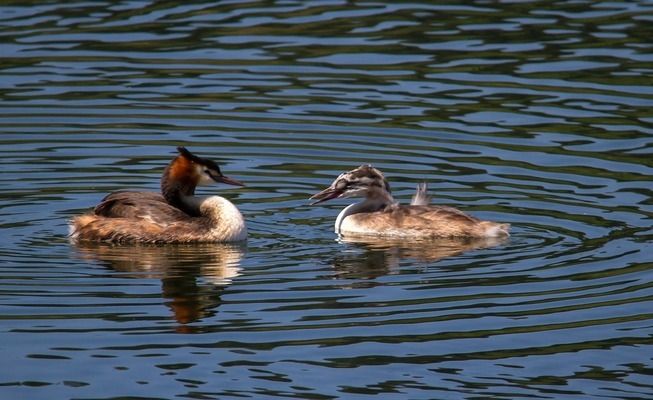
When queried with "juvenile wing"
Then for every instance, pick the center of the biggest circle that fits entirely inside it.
(417, 221)
(421, 196)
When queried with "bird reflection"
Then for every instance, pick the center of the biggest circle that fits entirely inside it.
(192, 276)
(381, 256)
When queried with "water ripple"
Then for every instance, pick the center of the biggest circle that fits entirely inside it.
(539, 117)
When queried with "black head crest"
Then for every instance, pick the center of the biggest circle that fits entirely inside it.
(202, 161)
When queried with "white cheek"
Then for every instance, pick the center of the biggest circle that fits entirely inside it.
(205, 180)
(352, 193)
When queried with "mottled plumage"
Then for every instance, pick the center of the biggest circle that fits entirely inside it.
(175, 216)
(380, 215)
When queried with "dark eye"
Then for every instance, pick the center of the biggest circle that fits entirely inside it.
(211, 173)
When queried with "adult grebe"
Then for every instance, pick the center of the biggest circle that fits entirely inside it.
(176, 216)
(380, 215)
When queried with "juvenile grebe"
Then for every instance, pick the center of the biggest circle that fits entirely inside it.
(380, 215)
(175, 216)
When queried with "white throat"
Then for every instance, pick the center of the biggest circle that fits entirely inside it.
(349, 210)
(226, 221)
(370, 204)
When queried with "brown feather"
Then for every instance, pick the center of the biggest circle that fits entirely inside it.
(418, 221)
(142, 230)
(139, 205)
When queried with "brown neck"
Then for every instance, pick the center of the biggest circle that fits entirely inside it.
(177, 186)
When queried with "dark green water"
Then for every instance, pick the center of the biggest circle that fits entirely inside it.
(534, 113)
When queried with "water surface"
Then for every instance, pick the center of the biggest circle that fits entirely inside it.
(535, 114)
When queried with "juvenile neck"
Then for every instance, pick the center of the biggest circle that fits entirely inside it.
(375, 201)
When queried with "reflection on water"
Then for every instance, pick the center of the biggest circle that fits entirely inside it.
(536, 114)
(192, 276)
(370, 257)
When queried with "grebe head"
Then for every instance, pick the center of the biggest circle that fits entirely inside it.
(364, 181)
(193, 171)
(185, 172)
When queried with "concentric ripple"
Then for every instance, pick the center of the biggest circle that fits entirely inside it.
(537, 115)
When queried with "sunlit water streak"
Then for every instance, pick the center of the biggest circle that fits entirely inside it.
(536, 115)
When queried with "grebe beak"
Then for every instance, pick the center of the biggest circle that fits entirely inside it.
(327, 194)
(227, 180)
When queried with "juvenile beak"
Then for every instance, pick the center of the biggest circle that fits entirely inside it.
(327, 194)
(227, 180)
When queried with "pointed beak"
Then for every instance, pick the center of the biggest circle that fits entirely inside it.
(227, 180)
(327, 194)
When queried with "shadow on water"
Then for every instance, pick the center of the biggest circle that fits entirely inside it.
(192, 276)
